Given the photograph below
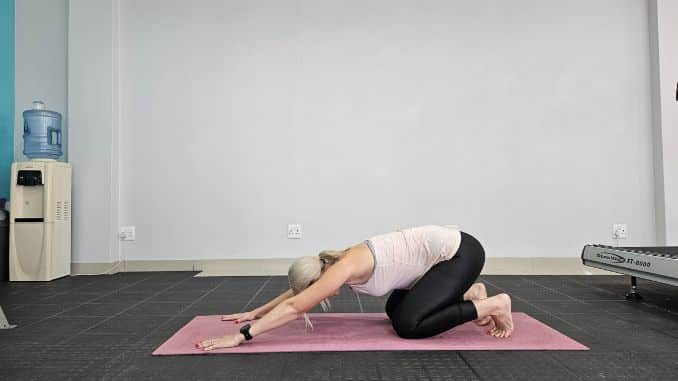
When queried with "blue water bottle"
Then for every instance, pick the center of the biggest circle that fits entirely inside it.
(42, 133)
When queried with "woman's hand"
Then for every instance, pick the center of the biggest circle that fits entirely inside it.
(221, 342)
(241, 317)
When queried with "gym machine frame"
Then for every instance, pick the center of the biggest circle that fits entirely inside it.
(659, 264)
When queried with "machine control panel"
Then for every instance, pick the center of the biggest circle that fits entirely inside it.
(29, 178)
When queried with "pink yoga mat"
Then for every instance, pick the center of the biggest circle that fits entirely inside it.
(364, 332)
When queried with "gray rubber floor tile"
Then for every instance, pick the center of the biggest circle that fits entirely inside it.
(627, 340)
(96, 309)
(517, 365)
(156, 309)
(620, 366)
(179, 296)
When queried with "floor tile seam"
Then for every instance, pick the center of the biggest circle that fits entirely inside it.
(594, 287)
(255, 294)
(584, 301)
(125, 310)
(153, 301)
(571, 372)
(426, 370)
(658, 331)
(592, 333)
(643, 303)
(584, 313)
(552, 290)
(377, 370)
(614, 352)
(540, 309)
(15, 307)
(655, 307)
(611, 300)
(79, 305)
(200, 298)
(468, 364)
(83, 316)
(194, 277)
(56, 293)
(553, 314)
(163, 324)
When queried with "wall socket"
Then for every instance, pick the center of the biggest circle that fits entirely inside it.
(619, 231)
(128, 233)
(294, 231)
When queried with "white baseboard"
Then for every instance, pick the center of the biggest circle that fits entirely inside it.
(96, 268)
(279, 266)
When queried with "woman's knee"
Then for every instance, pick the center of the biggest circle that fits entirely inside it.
(394, 301)
(406, 328)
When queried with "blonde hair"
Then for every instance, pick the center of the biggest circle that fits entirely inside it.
(306, 270)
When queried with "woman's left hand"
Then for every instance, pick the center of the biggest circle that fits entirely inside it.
(220, 342)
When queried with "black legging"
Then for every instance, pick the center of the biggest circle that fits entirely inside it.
(436, 302)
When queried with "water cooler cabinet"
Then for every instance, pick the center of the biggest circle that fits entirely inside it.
(40, 225)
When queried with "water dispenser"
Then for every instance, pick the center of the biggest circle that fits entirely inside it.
(40, 207)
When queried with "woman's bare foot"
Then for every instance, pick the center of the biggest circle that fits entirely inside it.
(503, 320)
(477, 291)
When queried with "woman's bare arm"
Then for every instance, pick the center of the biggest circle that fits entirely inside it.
(290, 309)
(258, 312)
(295, 306)
(263, 310)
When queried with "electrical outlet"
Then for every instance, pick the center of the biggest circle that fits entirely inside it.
(128, 233)
(294, 231)
(619, 231)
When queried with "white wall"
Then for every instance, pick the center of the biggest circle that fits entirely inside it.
(41, 46)
(93, 110)
(664, 30)
(528, 123)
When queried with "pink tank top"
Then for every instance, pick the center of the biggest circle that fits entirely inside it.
(402, 257)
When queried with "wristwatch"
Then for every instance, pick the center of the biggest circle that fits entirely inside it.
(245, 330)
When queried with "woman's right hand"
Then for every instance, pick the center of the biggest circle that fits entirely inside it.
(240, 317)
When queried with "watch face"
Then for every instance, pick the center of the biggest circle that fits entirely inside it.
(245, 330)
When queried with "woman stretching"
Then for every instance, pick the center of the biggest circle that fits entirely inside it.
(430, 270)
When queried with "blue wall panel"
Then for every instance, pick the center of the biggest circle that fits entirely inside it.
(6, 93)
